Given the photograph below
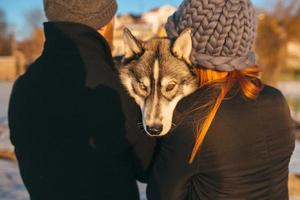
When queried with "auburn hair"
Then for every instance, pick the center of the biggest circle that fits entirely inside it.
(247, 82)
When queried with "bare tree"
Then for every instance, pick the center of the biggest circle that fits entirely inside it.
(275, 31)
(2, 24)
(5, 48)
(34, 18)
(32, 46)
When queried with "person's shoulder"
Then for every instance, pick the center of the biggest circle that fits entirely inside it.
(271, 91)
(274, 98)
(272, 94)
(24, 79)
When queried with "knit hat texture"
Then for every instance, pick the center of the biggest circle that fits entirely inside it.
(93, 13)
(223, 32)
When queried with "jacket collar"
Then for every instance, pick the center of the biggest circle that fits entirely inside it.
(66, 34)
(78, 41)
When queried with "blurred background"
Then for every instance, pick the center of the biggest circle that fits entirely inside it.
(21, 42)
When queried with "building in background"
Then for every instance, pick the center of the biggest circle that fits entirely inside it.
(12, 62)
(149, 24)
(293, 58)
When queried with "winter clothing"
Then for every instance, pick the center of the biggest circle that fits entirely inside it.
(69, 119)
(245, 154)
(223, 32)
(92, 13)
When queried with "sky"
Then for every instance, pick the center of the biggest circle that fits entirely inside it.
(15, 10)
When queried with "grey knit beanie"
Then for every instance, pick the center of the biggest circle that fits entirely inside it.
(93, 13)
(223, 32)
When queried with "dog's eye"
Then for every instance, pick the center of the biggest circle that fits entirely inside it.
(142, 87)
(170, 87)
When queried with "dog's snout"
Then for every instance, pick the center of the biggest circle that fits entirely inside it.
(155, 129)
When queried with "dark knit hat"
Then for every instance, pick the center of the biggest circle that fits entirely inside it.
(223, 32)
(93, 13)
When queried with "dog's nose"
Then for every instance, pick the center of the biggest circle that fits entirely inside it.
(154, 130)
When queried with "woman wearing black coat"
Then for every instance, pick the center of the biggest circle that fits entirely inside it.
(233, 139)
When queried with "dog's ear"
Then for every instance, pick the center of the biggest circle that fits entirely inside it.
(132, 45)
(182, 46)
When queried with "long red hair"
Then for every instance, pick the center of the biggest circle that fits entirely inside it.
(248, 83)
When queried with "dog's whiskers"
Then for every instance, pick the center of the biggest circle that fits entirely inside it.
(140, 126)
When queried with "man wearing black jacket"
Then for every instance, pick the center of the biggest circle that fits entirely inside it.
(73, 126)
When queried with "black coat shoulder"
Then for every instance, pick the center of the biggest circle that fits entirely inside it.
(270, 92)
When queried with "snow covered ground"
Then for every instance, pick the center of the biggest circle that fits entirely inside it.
(11, 186)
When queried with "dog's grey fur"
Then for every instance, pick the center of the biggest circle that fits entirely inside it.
(157, 74)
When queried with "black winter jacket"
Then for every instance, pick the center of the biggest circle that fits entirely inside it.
(69, 119)
(245, 155)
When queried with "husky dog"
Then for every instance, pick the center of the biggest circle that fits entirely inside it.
(157, 73)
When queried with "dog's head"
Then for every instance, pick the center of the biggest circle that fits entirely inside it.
(157, 74)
